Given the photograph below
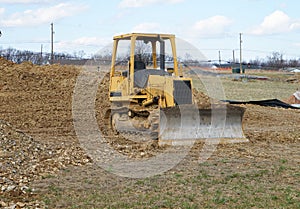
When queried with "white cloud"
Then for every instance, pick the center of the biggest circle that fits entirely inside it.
(2, 10)
(146, 28)
(83, 43)
(143, 3)
(25, 1)
(213, 26)
(277, 22)
(41, 15)
(295, 25)
(89, 41)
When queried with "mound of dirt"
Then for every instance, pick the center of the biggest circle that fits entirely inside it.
(201, 99)
(5, 63)
(37, 97)
(37, 100)
(271, 124)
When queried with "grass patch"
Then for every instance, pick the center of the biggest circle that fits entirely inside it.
(256, 89)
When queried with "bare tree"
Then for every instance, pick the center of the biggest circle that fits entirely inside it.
(293, 63)
(275, 60)
(19, 56)
(143, 51)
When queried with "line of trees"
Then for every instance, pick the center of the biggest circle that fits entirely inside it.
(19, 56)
(274, 61)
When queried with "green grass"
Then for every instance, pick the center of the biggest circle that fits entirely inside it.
(202, 188)
(250, 90)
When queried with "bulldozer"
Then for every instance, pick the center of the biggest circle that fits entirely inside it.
(151, 97)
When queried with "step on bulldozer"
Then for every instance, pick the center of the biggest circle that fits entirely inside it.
(151, 97)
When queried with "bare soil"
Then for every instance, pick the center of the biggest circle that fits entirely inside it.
(43, 164)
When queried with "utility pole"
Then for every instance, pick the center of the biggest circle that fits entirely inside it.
(52, 35)
(41, 54)
(241, 66)
(233, 59)
(219, 58)
(233, 56)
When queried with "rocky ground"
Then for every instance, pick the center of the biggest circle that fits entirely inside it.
(36, 100)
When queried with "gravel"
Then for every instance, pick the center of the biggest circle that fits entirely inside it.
(24, 160)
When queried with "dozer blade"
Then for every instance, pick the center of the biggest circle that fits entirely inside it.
(184, 124)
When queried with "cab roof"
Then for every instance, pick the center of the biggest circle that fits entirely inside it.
(143, 36)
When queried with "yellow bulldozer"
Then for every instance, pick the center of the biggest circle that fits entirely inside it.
(151, 97)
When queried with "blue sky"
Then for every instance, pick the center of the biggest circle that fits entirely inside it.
(266, 25)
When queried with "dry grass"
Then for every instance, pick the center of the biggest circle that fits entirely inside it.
(244, 90)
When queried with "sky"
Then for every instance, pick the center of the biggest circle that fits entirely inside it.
(213, 26)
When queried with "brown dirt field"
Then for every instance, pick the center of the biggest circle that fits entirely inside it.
(36, 114)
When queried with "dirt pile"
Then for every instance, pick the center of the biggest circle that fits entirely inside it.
(202, 100)
(37, 100)
(271, 124)
(5, 63)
